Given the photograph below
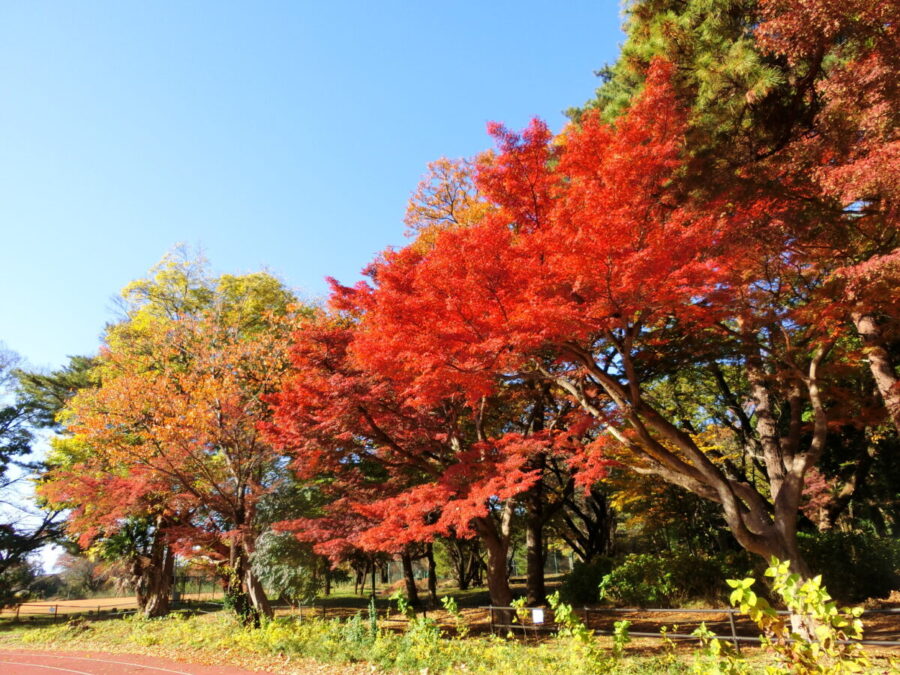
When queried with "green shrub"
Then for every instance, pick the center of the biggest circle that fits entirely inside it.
(666, 579)
(640, 579)
(357, 633)
(286, 567)
(854, 566)
(581, 586)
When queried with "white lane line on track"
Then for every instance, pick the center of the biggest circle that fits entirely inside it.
(121, 663)
(38, 665)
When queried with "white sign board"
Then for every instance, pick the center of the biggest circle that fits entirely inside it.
(537, 616)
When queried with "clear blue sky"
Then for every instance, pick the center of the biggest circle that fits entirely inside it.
(280, 134)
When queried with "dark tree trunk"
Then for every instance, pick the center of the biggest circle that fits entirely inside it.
(412, 593)
(432, 571)
(497, 579)
(497, 547)
(465, 557)
(534, 542)
(360, 579)
(137, 576)
(461, 562)
(588, 525)
(462, 573)
(476, 568)
(534, 517)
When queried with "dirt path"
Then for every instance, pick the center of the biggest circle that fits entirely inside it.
(49, 662)
(28, 662)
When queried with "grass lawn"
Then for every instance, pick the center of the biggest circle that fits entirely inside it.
(288, 645)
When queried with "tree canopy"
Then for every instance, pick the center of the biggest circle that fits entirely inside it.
(694, 281)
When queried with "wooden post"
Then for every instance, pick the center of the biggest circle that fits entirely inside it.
(18, 607)
(491, 613)
(737, 644)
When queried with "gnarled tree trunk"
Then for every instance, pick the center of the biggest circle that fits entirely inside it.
(763, 521)
(257, 594)
(880, 364)
(496, 543)
(153, 576)
(244, 589)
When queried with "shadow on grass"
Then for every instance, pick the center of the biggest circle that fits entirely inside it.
(343, 597)
(9, 623)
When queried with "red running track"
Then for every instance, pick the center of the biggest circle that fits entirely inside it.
(28, 662)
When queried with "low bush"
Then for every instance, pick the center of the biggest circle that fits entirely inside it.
(581, 586)
(420, 648)
(670, 578)
(640, 579)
